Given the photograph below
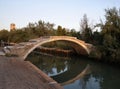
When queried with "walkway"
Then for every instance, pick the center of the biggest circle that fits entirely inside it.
(17, 74)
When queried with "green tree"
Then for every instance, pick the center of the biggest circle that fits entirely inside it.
(97, 38)
(61, 31)
(86, 31)
(111, 34)
(18, 36)
(4, 35)
(75, 33)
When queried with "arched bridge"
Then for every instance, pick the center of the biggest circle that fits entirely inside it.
(25, 48)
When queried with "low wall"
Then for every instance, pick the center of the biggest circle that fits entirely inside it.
(55, 51)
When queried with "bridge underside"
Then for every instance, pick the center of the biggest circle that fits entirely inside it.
(77, 48)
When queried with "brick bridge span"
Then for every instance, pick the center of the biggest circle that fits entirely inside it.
(25, 48)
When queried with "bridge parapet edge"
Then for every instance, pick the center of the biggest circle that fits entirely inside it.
(52, 37)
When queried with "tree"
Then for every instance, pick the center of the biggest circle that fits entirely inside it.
(61, 31)
(86, 31)
(97, 38)
(4, 35)
(111, 33)
(75, 33)
(111, 28)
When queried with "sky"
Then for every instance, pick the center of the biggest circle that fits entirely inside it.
(67, 13)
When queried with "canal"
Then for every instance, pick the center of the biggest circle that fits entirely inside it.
(77, 72)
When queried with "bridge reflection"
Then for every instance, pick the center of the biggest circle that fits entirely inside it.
(63, 70)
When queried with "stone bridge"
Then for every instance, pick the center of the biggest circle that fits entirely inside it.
(25, 48)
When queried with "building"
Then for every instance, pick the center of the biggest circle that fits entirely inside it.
(12, 27)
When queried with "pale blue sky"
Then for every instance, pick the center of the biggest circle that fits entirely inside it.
(67, 13)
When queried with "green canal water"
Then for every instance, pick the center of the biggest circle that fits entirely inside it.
(78, 72)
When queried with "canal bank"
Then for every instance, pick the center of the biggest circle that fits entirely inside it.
(17, 74)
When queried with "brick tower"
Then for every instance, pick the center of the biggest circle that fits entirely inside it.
(12, 27)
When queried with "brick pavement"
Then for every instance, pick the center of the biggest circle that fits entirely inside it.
(17, 74)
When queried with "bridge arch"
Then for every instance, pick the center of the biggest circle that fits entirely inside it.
(81, 44)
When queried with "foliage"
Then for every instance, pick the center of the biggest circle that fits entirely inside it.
(110, 35)
(4, 34)
(97, 38)
(86, 31)
(33, 30)
(74, 33)
(61, 31)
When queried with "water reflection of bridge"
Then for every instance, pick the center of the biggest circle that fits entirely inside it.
(65, 71)
(23, 49)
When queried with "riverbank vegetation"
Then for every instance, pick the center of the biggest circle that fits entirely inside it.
(106, 39)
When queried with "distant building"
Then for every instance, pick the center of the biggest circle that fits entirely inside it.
(12, 27)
